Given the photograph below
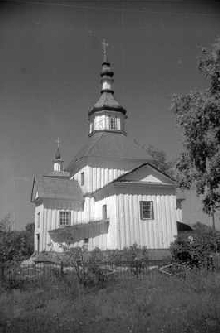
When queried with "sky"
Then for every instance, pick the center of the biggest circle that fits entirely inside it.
(50, 60)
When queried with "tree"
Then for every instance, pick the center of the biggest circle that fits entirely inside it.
(6, 224)
(15, 245)
(160, 161)
(198, 114)
(29, 238)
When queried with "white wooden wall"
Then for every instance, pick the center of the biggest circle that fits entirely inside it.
(96, 178)
(126, 227)
(155, 234)
(109, 240)
(38, 229)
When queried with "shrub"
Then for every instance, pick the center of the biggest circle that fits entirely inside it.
(196, 249)
(92, 268)
(133, 257)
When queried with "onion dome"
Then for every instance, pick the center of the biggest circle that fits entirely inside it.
(58, 162)
(107, 114)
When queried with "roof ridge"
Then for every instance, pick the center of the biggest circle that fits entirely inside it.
(95, 141)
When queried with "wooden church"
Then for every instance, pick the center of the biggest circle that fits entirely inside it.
(110, 195)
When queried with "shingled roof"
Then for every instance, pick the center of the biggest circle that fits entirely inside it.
(56, 188)
(106, 145)
(107, 102)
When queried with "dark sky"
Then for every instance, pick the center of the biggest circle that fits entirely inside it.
(50, 59)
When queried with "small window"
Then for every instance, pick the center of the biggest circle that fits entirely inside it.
(86, 243)
(64, 218)
(113, 123)
(82, 178)
(146, 210)
(38, 220)
(104, 212)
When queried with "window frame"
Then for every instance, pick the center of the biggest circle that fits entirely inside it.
(113, 123)
(66, 218)
(38, 220)
(82, 178)
(104, 212)
(86, 243)
(144, 211)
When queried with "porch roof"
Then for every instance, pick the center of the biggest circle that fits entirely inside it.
(77, 232)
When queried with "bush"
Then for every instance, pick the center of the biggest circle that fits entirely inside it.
(134, 257)
(95, 267)
(196, 249)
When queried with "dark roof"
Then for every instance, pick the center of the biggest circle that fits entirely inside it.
(110, 145)
(107, 102)
(80, 231)
(123, 177)
(57, 188)
(183, 226)
(58, 174)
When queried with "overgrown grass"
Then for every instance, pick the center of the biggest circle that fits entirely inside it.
(157, 303)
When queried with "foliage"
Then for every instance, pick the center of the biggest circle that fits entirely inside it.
(160, 161)
(196, 248)
(198, 115)
(92, 268)
(134, 257)
(29, 237)
(86, 265)
(6, 224)
(15, 245)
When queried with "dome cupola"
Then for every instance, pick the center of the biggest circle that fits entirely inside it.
(58, 162)
(107, 114)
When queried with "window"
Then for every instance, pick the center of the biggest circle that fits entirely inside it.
(146, 210)
(82, 178)
(104, 212)
(86, 243)
(64, 218)
(38, 220)
(113, 125)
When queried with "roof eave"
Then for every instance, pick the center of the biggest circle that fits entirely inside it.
(107, 108)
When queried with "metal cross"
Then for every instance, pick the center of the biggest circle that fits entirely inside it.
(58, 142)
(105, 45)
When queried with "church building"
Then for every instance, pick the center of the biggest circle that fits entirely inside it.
(110, 195)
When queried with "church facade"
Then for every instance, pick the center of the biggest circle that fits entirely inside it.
(110, 195)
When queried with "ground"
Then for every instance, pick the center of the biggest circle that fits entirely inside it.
(152, 303)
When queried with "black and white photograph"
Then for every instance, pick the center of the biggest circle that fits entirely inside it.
(109, 166)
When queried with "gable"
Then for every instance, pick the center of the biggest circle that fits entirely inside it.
(151, 179)
(146, 173)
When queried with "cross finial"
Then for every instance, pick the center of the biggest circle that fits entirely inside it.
(58, 142)
(104, 45)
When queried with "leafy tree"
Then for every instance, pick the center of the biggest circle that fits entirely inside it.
(6, 224)
(160, 161)
(15, 245)
(198, 114)
(29, 237)
(197, 247)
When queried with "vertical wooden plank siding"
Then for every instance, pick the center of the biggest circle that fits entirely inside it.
(126, 226)
(38, 230)
(155, 234)
(97, 177)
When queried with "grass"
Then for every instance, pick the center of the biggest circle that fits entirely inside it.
(156, 303)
